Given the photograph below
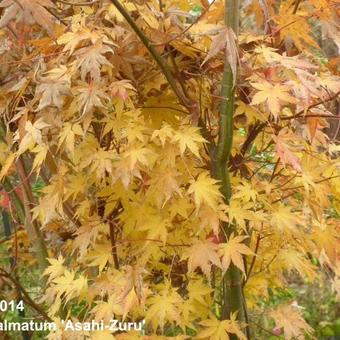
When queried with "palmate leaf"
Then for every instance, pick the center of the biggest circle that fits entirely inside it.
(203, 254)
(233, 252)
(205, 190)
(189, 138)
(273, 95)
(163, 307)
(91, 59)
(290, 319)
(215, 329)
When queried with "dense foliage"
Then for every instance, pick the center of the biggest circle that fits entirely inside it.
(170, 161)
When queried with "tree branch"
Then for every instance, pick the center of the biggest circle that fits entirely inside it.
(191, 106)
(156, 56)
(227, 107)
(301, 112)
(232, 288)
(301, 186)
(251, 267)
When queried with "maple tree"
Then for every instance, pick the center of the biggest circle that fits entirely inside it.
(168, 161)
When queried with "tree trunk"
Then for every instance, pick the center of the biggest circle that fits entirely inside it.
(232, 292)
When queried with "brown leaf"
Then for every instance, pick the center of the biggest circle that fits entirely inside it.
(217, 45)
(312, 123)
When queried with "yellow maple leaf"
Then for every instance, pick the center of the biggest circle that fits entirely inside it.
(215, 329)
(272, 95)
(188, 138)
(27, 11)
(33, 135)
(55, 269)
(225, 41)
(164, 306)
(106, 310)
(165, 133)
(122, 88)
(91, 59)
(165, 184)
(240, 213)
(156, 227)
(294, 260)
(202, 254)
(210, 218)
(90, 96)
(325, 237)
(69, 286)
(294, 27)
(41, 152)
(205, 190)
(232, 252)
(245, 192)
(78, 36)
(199, 291)
(67, 136)
(284, 219)
(284, 151)
(52, 93)
(251, 115)
(100, 256)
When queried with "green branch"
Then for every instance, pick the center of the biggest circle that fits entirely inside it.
(232, 285)
(227, 106)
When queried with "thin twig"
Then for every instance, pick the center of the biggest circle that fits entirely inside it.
(187, 28)
(322, 101)
(251, 267)
(301, 186)
(165, 107)
(264, 329)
